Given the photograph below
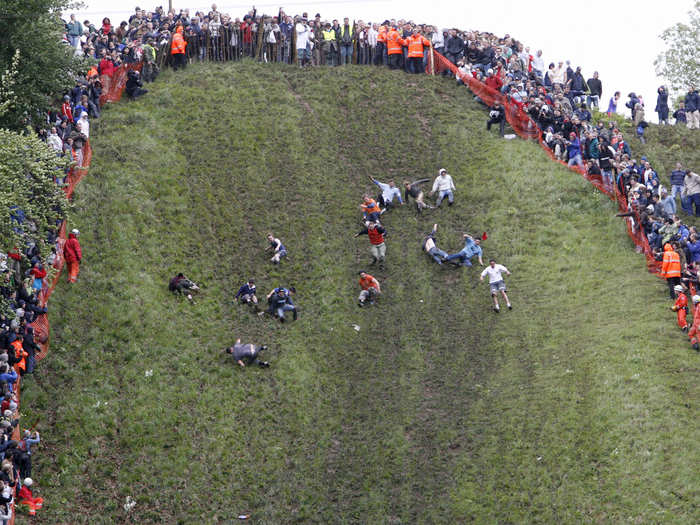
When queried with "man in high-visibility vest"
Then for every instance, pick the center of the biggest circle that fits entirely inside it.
(681, 307)
(177, 48)
(695, 329)
(416, 43)
(380, 57)
(394, 50)
(671, 268)
(330, 45)
(346, 36)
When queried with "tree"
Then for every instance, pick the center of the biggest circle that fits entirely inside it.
(679, 63)
(45, 67)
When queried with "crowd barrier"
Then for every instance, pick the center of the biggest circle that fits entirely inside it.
(113, 87)
(527, 129)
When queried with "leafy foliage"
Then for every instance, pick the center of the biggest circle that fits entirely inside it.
(679, 63)
(46, 67)
(27, 167)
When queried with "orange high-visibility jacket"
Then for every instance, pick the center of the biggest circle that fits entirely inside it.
(381, 37)
(20, 355)
(394, 42)
(370, 207)
(671, 265)
(415, 45)
(178, 46)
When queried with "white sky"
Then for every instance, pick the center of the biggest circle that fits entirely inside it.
(618, 38)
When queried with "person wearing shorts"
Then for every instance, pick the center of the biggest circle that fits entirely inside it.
(496, 283)
(277, 248)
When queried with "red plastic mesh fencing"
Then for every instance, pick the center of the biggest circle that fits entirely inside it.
(527, 129)
(113, 87)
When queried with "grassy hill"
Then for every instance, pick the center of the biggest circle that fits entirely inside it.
(579, 405)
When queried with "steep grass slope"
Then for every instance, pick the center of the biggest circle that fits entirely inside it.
(579, 405)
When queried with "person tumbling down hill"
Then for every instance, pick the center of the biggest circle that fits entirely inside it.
(370, 289)
(247, 354)
(370, 209)
(415, 190)
(431, 248)
(277, 248)
(471, 248)
(388, 194)
(182, 285)
(279, 301)
(377, 246)
(246, 293)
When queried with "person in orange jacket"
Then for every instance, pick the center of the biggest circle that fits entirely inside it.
(671, 268)
(380, 56)
(694, 331)
(177, 48)
(394, 48)
(20, 356)
(681, 307)
(416, 44)
(370, 208)
(370, 289)
(73, 254)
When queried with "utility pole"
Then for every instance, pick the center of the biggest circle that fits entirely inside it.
(170, 5)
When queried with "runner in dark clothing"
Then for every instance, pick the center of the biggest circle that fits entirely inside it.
(247, 354)
(415, 190)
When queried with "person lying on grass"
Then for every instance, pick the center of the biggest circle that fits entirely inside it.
(247, 354)
(182, 285)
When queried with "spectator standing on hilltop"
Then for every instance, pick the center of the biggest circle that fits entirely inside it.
(75, 31)
(73, 255)
(445, 187)
(177, 49)
(496, 283)
(662, 105)
(680, 114)
(612, 105)
(595, 88)
(692, 108)
(677, 177)
(691, 184)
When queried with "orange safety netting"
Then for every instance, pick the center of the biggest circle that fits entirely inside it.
(526, 128)
(113, 87)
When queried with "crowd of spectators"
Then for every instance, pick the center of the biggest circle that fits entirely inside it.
(557, 98)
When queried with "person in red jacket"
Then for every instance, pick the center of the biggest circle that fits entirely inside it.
(26, 497)
(694, 332)
(681, 307)
(73, 255)
(377, 247)
(38, 273)
(66, 109)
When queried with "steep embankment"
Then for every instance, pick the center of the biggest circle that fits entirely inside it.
(577, 405)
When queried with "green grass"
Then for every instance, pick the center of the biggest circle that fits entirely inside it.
(577, 406)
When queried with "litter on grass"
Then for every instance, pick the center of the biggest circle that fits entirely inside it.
(130, 503)
(356, 327)
(149, 373)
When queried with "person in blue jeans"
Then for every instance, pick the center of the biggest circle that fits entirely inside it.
(280, 301)
(471, 248)
(431, 248)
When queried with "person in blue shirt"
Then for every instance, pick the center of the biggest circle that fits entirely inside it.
(280, 301)
(573, 148)
(389, 192)
(278, 249)
(246, 293)
(471, 248)
(9, 375)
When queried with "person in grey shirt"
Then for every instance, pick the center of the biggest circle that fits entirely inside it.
(247, 354)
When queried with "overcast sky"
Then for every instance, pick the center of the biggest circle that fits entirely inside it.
(617, 38)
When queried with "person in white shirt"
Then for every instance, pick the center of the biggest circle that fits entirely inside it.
(538, 64)
(303, 37)
(445, 187)
(496, 283)
(55, 141)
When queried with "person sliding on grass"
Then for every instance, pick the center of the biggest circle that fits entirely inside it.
(496, 283)
(471, 248)
(377, 246)
(415, 190)
(445, 187)
(279, 301)
(681, 307)
(389, 192)
(182, 285)
(370, 289)
(431, 248)
(247, 354)
(277, 248)
(246, 293)
(370, 209)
